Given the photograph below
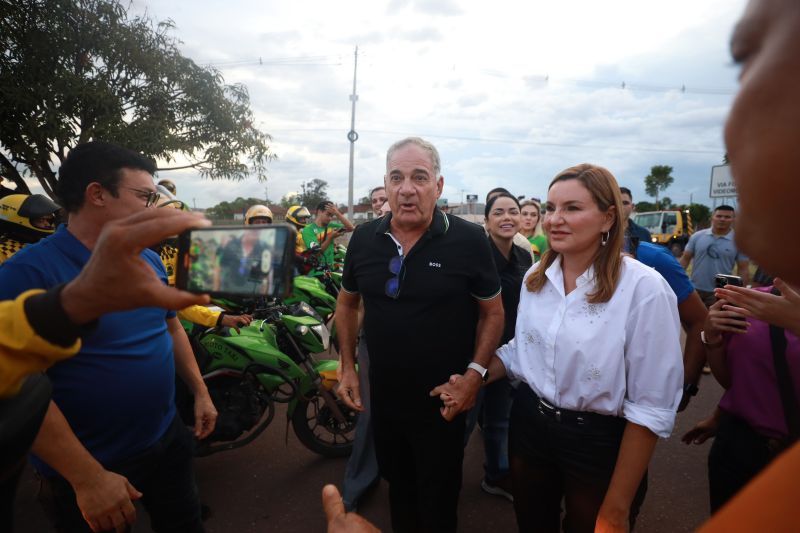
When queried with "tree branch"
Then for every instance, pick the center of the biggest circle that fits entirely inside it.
(193, 165)
(11, 173)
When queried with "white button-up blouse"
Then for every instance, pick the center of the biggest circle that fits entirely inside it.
(620, 358)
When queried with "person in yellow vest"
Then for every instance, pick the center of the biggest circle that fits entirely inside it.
(25, 219)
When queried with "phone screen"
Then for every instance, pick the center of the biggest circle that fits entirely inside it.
(236, 261)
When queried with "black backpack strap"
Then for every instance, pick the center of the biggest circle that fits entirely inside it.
(791, 410)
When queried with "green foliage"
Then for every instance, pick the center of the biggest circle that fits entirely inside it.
(659, 179)
(290, 199)
(226, 210)
(644, 207)
(666, 203)
(312, 194)
(365, 200)
(700, 213)
(77, 70)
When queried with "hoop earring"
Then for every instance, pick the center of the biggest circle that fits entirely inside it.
(604, 237)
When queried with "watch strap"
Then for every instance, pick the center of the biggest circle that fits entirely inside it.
(480, 369)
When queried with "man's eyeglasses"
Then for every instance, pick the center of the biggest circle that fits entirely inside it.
(149, 197)
(393, 283)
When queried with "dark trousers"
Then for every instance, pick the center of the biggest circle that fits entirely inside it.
(737, 455)
(421, 461)
(362, 467)
(554, 459)
(492, 411)
(163, 474)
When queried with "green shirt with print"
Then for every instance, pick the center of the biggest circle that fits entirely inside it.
(314, 233)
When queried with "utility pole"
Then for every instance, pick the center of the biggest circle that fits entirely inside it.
(352, 136)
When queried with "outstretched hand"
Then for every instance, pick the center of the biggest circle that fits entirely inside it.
(340, 521)
(116, 278)
(782, 311)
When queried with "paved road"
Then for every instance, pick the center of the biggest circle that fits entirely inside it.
(273, 485)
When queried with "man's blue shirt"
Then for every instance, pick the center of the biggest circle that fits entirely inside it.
(118, 392)
(662, 260)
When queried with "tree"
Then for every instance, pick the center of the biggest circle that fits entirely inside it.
(365, 200)
(645, 206)
(700, 213)
(666, 203)
(314, 192)
(290, 199)
(659, 179)
(76, 70)
(226, 210)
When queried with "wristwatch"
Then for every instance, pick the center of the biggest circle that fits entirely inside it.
(690, 389)
(709, 344)
(484, 372)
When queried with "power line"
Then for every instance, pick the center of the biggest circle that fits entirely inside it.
(520, 142)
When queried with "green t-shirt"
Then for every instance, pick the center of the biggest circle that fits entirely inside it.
(313, 233)
(538, 245)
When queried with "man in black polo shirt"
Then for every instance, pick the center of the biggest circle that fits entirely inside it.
(431, 309)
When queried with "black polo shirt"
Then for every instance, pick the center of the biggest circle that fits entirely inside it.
(512, 272)
(417, 340)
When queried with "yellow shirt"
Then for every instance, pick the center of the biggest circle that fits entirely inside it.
(22, 351)
(9, 247)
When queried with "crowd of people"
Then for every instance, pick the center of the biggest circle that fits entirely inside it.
(565, 348)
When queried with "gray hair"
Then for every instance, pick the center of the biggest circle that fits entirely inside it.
(422, 143)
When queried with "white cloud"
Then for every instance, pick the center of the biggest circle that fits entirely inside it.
(510, 92)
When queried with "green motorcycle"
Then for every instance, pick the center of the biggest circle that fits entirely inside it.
(271, 361)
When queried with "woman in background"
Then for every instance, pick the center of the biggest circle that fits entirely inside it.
(532, 227)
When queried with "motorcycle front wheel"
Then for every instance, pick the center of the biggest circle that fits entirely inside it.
(319, 431)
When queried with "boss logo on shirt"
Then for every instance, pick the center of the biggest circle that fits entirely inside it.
(434, 265)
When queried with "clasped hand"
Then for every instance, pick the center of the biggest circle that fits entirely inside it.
(458, 394)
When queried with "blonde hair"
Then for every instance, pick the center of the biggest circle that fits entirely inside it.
(537, 229)
(603, 187)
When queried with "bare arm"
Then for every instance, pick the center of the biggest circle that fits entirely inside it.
(348, 226)
(104, 498)
(463, 391)
(186, 367)
(347, 322)
(693, 315)
(635, 452)
(685, 259)
(717, 321)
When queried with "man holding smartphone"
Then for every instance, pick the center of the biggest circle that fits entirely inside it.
(324, 230)
(111, 434)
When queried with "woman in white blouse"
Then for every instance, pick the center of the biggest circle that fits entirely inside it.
(597, 349)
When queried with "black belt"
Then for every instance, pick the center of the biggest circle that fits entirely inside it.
(568, 416)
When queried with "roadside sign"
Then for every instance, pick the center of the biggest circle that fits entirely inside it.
(722, 185)
(472, 198)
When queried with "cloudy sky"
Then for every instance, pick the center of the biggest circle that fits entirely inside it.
(510, 92)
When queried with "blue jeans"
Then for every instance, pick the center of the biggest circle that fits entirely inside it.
(362, 467)
(493, 410)
(163, 474)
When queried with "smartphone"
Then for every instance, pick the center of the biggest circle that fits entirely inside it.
(237, 261)
(720, 280)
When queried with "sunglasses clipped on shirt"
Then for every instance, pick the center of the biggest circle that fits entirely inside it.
(393, 283)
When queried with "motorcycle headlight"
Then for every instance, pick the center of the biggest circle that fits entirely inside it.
(302, 330)
(305, 309)
(324, 335)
